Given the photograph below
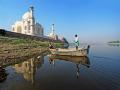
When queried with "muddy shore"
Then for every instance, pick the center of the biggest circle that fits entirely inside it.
(14, 50)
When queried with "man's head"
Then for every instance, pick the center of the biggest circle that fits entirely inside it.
(75, 35)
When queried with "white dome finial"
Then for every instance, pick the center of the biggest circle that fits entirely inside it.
(31, 8)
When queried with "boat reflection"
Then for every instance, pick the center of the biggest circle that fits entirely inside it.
(29, 67)
(76, 60)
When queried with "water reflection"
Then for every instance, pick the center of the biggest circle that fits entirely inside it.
(29, 67)
(38, 73)
(117, 45)
(76, 60)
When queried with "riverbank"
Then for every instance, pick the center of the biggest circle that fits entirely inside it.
(15, 48)
(114, 42)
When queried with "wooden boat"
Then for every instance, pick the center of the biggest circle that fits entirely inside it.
(71, 51)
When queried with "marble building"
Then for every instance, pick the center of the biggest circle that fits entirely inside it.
(28, 25)
(53, 35)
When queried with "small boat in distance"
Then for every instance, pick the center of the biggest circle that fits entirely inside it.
(71, 51)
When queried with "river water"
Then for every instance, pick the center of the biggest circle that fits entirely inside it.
(100, 71)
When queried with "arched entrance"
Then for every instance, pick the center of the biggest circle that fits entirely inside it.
(19, 29)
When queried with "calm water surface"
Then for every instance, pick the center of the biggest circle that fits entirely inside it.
(100, 71)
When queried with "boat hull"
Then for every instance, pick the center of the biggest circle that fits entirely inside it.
(66, 52)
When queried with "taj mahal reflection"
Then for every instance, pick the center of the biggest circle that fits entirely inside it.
(29, 67)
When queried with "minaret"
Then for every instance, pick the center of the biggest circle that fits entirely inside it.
(53, 29)
(31, 10)
(52, 34)
(32, 20)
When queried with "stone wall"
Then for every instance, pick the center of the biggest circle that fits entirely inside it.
(24, 36)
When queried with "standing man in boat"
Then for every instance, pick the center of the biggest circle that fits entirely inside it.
(76, 41)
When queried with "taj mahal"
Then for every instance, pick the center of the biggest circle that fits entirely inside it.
(28, 25)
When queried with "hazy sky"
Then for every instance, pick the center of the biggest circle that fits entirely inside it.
(92, 20)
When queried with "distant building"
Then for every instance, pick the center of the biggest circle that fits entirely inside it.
(66, 43)
(53, 34)
(63, 39)
(28, 24)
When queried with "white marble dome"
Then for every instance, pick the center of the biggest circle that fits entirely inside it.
(53, 35)
(27, 15)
